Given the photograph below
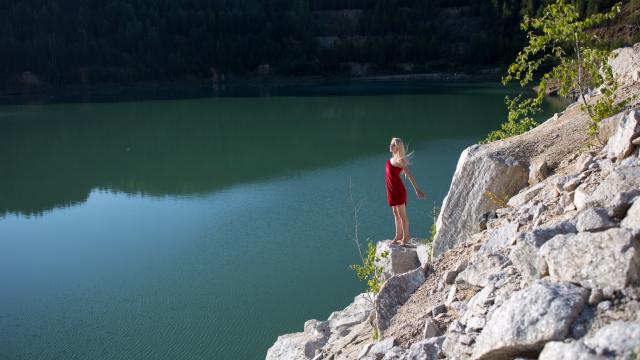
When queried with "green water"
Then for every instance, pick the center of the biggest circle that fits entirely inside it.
(204, 228)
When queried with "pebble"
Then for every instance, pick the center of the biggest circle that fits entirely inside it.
(605, 305)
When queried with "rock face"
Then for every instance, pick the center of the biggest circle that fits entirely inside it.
(620, 144)
(400, 259)
(595, 260)
(529, 319)
(393, 294)
(482, 172)
(625, 63)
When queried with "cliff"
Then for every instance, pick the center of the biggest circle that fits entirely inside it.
(537, 254)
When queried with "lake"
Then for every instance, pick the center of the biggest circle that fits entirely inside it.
(182, 227)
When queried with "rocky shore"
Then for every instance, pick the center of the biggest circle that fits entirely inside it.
(536, 256)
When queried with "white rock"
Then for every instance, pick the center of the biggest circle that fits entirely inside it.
(632, 220)
(594, 260)
(481, 169)
(530, 318)
(538, 171)
(618, 340)
(625, 63)
(621, 179)
(393, 294)
(583, 162)
(428, 349)
(593, 219)
(484, 268)
(619, 145)
(400, 259)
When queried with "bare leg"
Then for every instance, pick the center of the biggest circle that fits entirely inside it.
(402, 210)
(398, 221)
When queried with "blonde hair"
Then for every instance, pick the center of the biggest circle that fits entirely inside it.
(400, 153)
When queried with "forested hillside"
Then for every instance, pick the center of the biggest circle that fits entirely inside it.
(91, 41)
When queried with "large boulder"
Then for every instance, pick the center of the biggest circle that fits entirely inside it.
(393, 294)
(399, 259)
(318, 334)
(625, 63)
(530, 318)
(595, 260)
(483, 175)
(619, 145)
(298, 346)
(618, 340)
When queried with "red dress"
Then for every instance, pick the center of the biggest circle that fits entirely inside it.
(396, 193)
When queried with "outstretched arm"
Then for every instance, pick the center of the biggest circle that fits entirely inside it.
(409, 175)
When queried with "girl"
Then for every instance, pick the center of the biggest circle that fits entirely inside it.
(396, 193)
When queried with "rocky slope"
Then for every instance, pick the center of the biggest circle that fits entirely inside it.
(552, 273)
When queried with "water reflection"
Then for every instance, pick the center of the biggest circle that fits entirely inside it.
(54, 155)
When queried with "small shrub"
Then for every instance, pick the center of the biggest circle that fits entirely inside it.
(370, 271)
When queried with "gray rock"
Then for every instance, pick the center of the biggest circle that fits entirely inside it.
(395, 353)
(632, 220)
(580, 197)
(431, 329)
(438, 309)
(428, 349)
(618, 340)
(572, 184)
(479, 304)
(451, 297)
(595, 297)
(500, 237)
(393, 294)
(298, 346)
(382, 346)
(574, 350)
(538, 171)
(621, 179)
(625, 62)
(529, 262)
(476, 323)
(604, 305)
(594, 260)
(400, 259)
(481, 169)
(621, 202)
(608, 127)
(583, 162)
(454, 348)
(450, 277)
(485, 268)
(539, 236)
(530, 318)
(525, 195)
(619, 145)
(594, 219)
(423, 251)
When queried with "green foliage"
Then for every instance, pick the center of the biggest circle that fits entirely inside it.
(559, 37)
(375, 334)
(519, 118)
(370, 271)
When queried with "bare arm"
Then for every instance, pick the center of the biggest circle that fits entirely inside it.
(409, 175)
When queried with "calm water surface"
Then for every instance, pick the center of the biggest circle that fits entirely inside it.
(204, 228)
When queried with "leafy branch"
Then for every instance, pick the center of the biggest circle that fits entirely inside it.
(560, 38)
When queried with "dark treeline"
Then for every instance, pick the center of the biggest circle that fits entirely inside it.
(94, 41)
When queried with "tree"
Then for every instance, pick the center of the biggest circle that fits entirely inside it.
(560, 38)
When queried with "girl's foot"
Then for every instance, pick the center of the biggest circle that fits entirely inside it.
(404, 241)
(396, 241)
